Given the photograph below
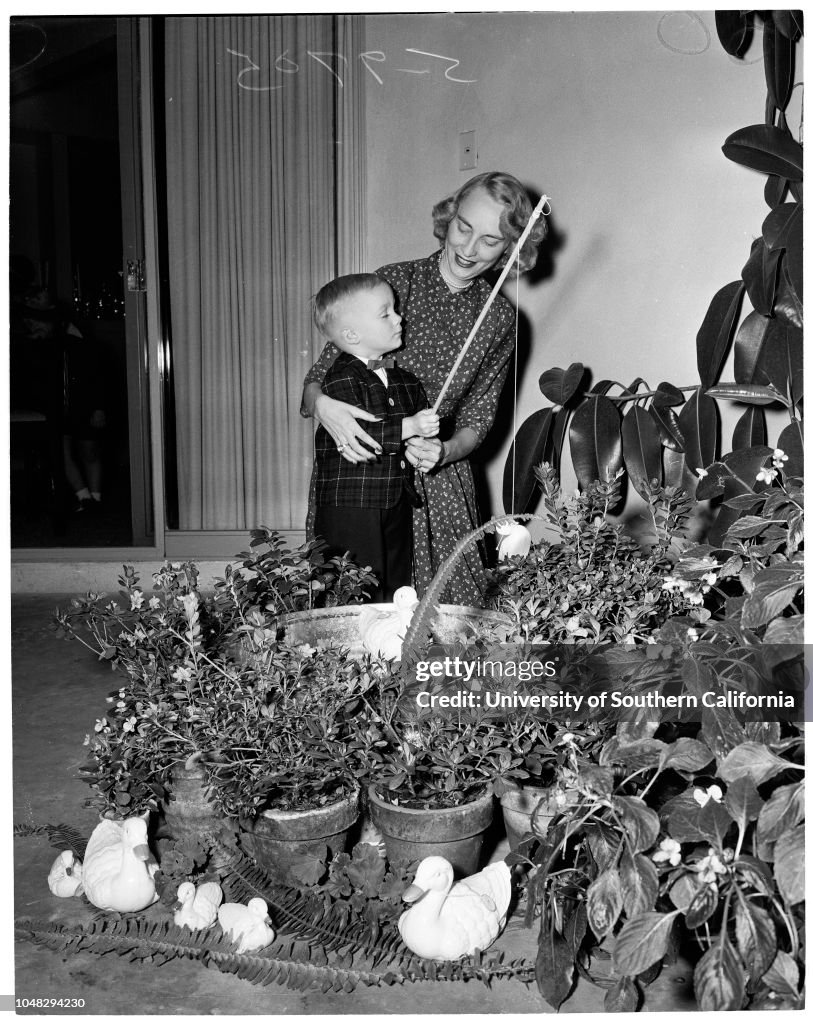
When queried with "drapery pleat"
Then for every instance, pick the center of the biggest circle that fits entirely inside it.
(254, 229)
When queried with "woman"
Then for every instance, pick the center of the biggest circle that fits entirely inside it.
(439, 299)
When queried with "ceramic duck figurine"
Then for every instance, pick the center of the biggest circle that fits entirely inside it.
(249, 926)
(515, 539)
(197, 908)
(382, 632)
(119, 868)
(65, 876)
(448, 921)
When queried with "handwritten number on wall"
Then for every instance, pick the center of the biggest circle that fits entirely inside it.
(285, 65)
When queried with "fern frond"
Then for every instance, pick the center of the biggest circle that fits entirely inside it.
(61, 837)
(420, 628)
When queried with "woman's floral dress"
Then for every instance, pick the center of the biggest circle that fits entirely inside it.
(436, 323)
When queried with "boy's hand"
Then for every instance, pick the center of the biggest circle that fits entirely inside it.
(424, 423)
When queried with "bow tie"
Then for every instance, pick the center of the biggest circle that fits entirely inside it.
(381, 364)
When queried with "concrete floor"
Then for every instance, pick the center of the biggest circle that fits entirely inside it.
(58, 690)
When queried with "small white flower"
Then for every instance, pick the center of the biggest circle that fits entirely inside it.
(100, 724)
(572, 624)
(710, 578)
(136, 600)
(779, 458)
(182, 674)
(710, 867)
(766, 475)
(86, 741)
(155, 602)
(120, 704)
(692, 634)
(130, 724)
(669, 849)
(701, 472)
(702, 796)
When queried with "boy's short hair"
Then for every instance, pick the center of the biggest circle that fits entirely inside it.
(338, 290)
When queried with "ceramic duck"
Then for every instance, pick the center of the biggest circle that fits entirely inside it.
(249, 926)
(65, 876)
(197, 908)
(382, 632)
(447, 921)
(515, 539)
(119, 868)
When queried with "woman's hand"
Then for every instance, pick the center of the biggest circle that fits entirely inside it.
(424, 453)
(340, 421)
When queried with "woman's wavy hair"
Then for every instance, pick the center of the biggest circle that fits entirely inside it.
(511, 194)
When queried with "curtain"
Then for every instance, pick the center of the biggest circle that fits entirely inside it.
(265, 183)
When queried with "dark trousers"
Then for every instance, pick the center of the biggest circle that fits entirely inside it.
(378, 537)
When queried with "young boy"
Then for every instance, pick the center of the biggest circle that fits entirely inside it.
(366, 508)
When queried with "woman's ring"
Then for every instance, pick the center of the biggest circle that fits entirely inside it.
(340, 447)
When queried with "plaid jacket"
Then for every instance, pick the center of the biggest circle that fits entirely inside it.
(378, 483)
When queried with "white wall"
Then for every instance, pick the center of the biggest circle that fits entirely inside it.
(609, 115)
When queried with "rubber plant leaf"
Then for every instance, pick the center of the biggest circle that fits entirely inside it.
(760, 275)
(778, 52)
(604, 386)
(675, 473)
(595, 441)
(642, 448)
(750, 394)
(781, 363)
(733, 29)
(666, 421)
(775, 190)
(791, 441)
(699, 421)
(793, 255)
(750, 429)
(756, 333)
(765, 148)
(776, 226)
(714, 336)
(526, 452)
(558, 385)
(560, 422)
(788, 302)
(667, 394)
(789, 23)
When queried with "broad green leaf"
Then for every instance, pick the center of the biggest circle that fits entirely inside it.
(639, 883)
(641, 823)
(750, 429)
(554, 966)
(527, 451)
(686, 754)
(683, 890)
(756, 937)
(642, 942)
(750, 394)
(558, 385)
(790, 630)
(642, 448)
(715, 823)
(622, 997)
(702, 906)
(719, 978)
(743, 801)
(789, 864)
(768, 601)
(669, 432)
(767, 149)
(791, 441)
(776, 226)
(733, 29)
(788, 303)
(789, 23)
(595, 441)
(794, 266)
(699, 420)
(604, 902)
(783, 974)
(752, 760)
(714, 336)
(668, 394)
(760, 276)
(778, 51)
(756, 333)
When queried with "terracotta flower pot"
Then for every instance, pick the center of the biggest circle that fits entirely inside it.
(279, 840)
(528, 809)
(455, 833)
(188, 812)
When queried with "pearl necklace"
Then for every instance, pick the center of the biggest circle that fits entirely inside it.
(446, 273)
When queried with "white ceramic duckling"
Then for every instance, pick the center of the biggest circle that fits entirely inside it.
(382, 632)
(119, 868)
(65, 876)
(249, 926)
(515, 539)
(447, 921)
(197, 908)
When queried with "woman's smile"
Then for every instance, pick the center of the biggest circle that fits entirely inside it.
(475, 240)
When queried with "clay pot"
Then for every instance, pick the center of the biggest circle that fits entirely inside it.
(455, 833)
(188, 812)
(521, 804)
(279, 840)
(339, 625)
